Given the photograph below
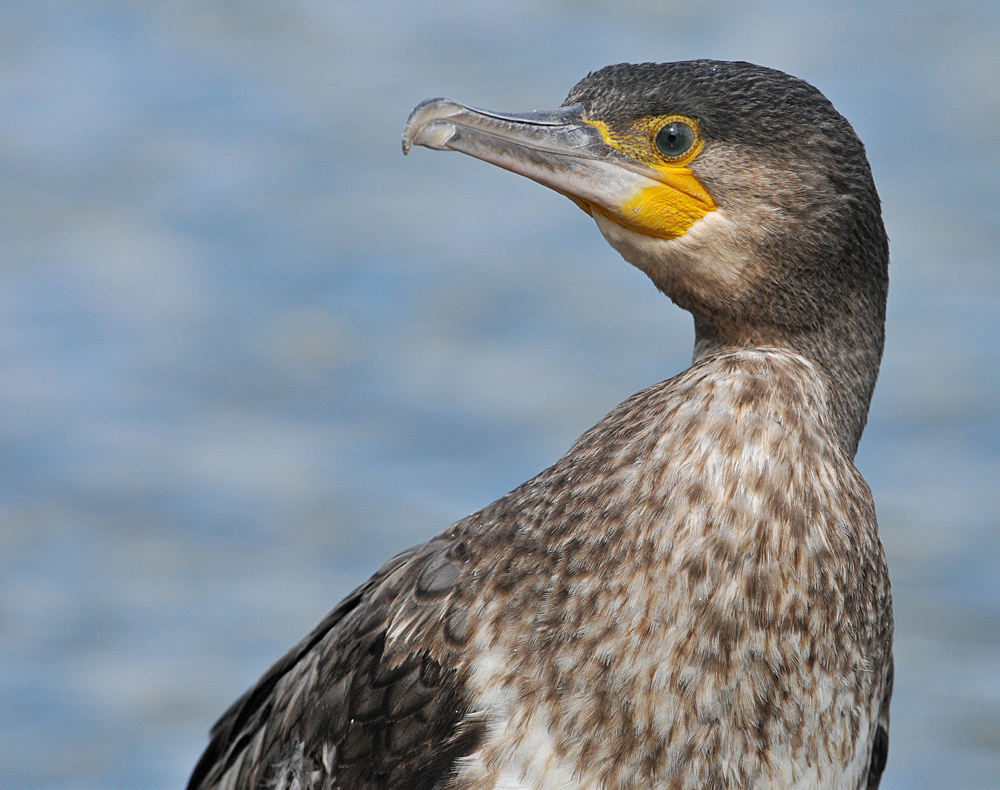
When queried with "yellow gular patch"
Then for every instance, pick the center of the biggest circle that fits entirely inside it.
(670, 208)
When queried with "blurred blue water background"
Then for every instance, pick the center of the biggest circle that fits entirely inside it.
(247, 351)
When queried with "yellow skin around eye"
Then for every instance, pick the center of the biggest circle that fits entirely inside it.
(670, 208)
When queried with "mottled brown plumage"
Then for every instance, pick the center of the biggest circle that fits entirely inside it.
(695, 595)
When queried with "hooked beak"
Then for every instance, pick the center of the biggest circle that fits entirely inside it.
(563, 151)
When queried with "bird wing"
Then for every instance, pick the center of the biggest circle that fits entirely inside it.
(880, 748)
(352, 705)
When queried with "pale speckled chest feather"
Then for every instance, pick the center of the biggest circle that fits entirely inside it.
(700, 577)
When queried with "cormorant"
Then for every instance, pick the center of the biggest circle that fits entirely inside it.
(695, 595)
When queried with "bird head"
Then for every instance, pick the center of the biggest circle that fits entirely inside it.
(739, 190)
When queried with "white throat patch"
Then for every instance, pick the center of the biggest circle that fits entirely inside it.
(705, 262)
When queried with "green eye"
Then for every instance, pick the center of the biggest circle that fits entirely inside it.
(675, 139)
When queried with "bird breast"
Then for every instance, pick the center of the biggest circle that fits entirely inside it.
(701, 576)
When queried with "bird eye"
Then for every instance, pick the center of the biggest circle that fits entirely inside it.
(675, 139)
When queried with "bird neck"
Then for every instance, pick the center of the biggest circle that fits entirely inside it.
(846, 350)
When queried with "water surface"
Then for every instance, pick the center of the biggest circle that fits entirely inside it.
(249, 351)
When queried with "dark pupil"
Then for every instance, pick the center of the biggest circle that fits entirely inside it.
(674, 139)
